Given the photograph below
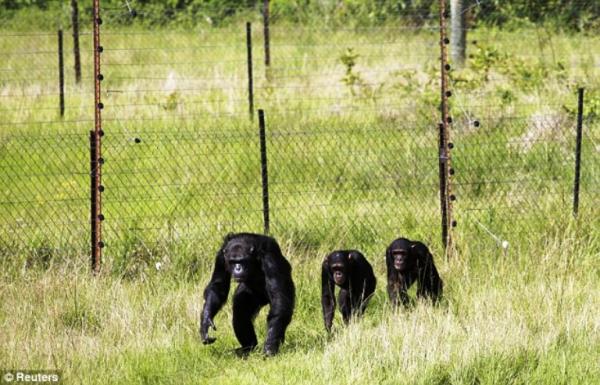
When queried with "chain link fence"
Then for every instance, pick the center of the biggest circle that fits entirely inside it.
(516, 136)
(351, 138)
(44, 157)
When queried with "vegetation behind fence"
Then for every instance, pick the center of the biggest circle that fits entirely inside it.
(352, 138)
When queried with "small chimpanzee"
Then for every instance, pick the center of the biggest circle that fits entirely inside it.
(264, 276)
(351, 271)
(409, 261)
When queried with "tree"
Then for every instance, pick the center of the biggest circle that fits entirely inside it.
(458, 33)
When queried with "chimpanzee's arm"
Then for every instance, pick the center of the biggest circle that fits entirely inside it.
(215, 295)
(430, 283)
(282, 296)
(327, 296)
(393, 288)
(393, 283)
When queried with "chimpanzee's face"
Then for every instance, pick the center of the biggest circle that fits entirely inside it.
(402, 260)
(241, 260)
(338, 263)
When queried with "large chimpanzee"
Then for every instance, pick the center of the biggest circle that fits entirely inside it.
(351, 271)
(409, 261)
(264, 277)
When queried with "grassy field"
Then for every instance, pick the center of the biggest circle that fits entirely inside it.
(352, 163)
(524, 319)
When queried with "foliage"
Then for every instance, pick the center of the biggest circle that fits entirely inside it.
(488, 61)
(591, 106)
(350, 78)
(569, 14)
(17, 4)
(353, 79)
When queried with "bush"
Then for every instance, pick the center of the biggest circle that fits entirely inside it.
(568, 14)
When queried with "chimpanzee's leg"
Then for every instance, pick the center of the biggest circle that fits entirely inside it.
(345, 305)
(245, 308)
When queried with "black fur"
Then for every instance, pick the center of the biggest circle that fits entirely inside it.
(418, 267)
(355, 291)
(264, 276)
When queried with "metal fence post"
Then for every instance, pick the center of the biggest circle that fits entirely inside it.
(250, 72)
(266, 37)
(578, 151)
(61, 74)
(76, 51)
(96, 150)
(264, 169)
(444, 136)
(94, 202)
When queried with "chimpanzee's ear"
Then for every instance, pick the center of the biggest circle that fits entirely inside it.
(224, 248)
(228, 237)
(414, 249)
(326, 260)
(257, 251)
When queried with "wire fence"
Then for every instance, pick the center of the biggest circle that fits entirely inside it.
(351, 143)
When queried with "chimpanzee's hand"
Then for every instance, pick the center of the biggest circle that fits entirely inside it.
(204, 327)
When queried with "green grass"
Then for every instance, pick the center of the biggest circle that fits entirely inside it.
(349, 166)
(522, 319)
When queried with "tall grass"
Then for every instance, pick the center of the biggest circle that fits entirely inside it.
(530, 318)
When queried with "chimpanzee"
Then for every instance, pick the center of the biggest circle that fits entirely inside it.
(409, 261)
(264, 276)
(351, 271)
